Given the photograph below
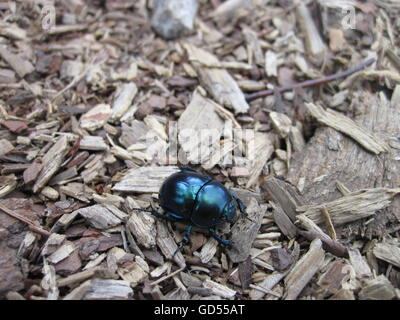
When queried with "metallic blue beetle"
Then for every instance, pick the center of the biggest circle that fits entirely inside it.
(198, 200)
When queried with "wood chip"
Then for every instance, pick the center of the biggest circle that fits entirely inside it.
(167, 244)
(102, 216)
(62, 252)
(143, 227)
(244, 232)
(51, 163)
(96, 117)
(347, 126)
(315, 46)
(263, 148)
(389, 252)
(304, 270)
(218, 82)
(199, 116)
(379, 288)
(106, 289)
(123, 101)
(219, 289)
(144, 179)
(94, 143)
(20, 65)
(5, 147)
(351, 207)
(359, 264)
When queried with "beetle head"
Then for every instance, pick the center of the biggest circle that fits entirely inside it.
(229, 212)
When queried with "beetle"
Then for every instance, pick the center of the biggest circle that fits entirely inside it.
(197, 200)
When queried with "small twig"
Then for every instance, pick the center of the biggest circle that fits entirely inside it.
(329, 225)
(264, 290)
(166, 277)
(78, 277)
(334, 247)
(30, 223)
(310, 83)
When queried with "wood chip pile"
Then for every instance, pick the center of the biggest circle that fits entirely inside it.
(96, 110)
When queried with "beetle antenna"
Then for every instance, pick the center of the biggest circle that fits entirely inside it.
(141, 209)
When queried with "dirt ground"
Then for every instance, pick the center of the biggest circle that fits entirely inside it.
(294, 106)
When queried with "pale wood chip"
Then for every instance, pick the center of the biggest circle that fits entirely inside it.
(304, 270)
(389, 252)
(351, 207)
(218, 82)
(144, 179)
(51, 163)
(347, 126)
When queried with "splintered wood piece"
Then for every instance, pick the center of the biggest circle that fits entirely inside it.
(219, 289)
(133, 273)
(62, 252)
(359, 264)
(8, 184)
(167, 245)
(94, 143)
(304, 270)
(143, 226)
(208, 250)
(331, 281)
(96, 117)
(53, 243)
(26, 245)
(5, 147)
(52, 161)
(267, 284)
(79, 292)
(244, 232)
(253, 46)
(78, 191)
(351, 207)
(199, 129)
(283, 221)
(108, 289)
(389, 252)
(227, 8)
(379, 288)
(102, 216)
(123, 100)
(262, 151)
(283, 194)
(218, 82)
(20, 65)
(49, 281)
(144, 179)
(347, 126)
(315, 45)
(271, 64)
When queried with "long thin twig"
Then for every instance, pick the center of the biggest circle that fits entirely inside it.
(310, 83)
(30, 223)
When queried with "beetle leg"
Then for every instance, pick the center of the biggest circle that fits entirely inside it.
(241, 205)
(185, 239)
(218, 238)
